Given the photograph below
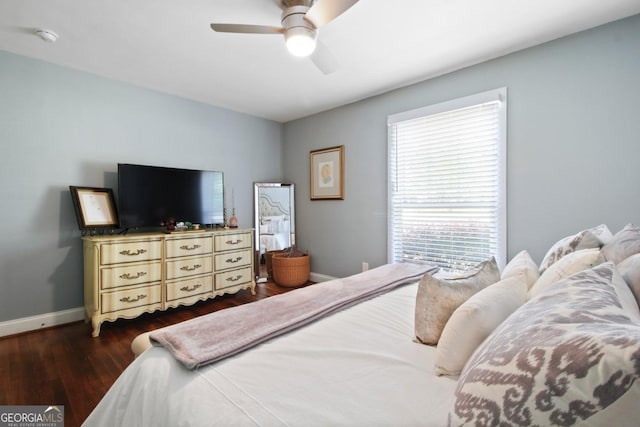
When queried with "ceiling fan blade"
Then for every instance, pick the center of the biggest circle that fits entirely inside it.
(247, 29)
(324, 11)
(324, 59)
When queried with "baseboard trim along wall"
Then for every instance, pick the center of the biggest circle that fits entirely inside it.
(32, 323)
(317, 277)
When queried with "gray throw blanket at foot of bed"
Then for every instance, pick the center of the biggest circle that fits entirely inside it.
(214, 336)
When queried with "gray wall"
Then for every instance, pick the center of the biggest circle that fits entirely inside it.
(573, 148)
(60, 127)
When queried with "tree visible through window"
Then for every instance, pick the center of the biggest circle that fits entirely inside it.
(447, 182)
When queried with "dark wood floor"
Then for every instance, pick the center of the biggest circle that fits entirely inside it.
(64, 365)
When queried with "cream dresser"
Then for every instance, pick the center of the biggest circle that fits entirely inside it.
(125, 276)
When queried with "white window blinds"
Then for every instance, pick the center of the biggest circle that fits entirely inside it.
(447, 182)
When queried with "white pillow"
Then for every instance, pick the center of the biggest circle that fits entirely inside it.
(271, 224)
(566, 266)
(586, 239)
(475, 319)
(523, 264)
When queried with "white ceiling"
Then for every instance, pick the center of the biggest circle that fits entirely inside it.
(168, 46)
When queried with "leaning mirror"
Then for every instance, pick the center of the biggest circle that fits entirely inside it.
(274, 220)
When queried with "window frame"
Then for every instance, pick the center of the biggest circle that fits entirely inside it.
(500, 95)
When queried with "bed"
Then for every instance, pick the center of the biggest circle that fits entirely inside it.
(554, 344)
(359, 366)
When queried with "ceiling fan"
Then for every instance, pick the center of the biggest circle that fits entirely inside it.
(301, 20)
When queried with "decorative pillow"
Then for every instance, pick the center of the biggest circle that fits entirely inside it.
(523, 264)
(568, 265)
(475, 319)
(271, 224)
(587, 239)
(438, 298)
(625, 243)
(559, 359)
(630, 271)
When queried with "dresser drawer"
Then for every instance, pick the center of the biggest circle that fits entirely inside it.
(190, 246)
(232, 259)
(229, 242)
(189, 267)
(190, 287)
(233, 278)
(128, 275)
(137, 297)
(114, 253)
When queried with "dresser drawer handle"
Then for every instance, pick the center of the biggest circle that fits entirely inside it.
(128, 276)
(136, 253)
(187, 268)
(234, 242)
(233, 260)
(234, 279)
(129, 300)
(189, 248)
(187, 289)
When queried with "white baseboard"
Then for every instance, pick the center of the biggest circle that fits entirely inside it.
(317, 277)
(26, 324)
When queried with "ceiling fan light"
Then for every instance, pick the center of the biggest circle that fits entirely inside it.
(300, 41)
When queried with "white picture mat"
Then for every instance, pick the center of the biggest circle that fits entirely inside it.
(96, 208)
(326, 172)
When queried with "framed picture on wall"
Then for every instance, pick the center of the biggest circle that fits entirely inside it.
(327, 173)
(95, 207)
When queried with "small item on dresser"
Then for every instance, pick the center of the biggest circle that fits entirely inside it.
(170, 224)
(233, 221)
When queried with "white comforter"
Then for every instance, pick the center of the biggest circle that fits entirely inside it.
(358, 367)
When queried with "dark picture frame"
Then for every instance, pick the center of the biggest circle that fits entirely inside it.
(95, 207)
(326, 167)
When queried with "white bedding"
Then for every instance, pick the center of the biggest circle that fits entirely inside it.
(275, 233)
(356, 367)
(274, 242)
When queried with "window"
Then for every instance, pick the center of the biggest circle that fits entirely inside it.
(447, 182)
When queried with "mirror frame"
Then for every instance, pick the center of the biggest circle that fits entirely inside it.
(257, 186)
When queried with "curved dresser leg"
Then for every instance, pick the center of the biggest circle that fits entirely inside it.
(96, 327)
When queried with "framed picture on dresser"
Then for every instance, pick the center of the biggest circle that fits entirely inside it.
(94, 207)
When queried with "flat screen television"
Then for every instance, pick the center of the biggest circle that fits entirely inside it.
(150, 196)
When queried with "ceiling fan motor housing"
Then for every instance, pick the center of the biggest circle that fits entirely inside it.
(299, 34)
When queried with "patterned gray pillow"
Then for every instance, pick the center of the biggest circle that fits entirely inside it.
(438, 297)
(561, 358)
(586, 239)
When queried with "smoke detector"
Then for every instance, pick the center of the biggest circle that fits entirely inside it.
(47, 35)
